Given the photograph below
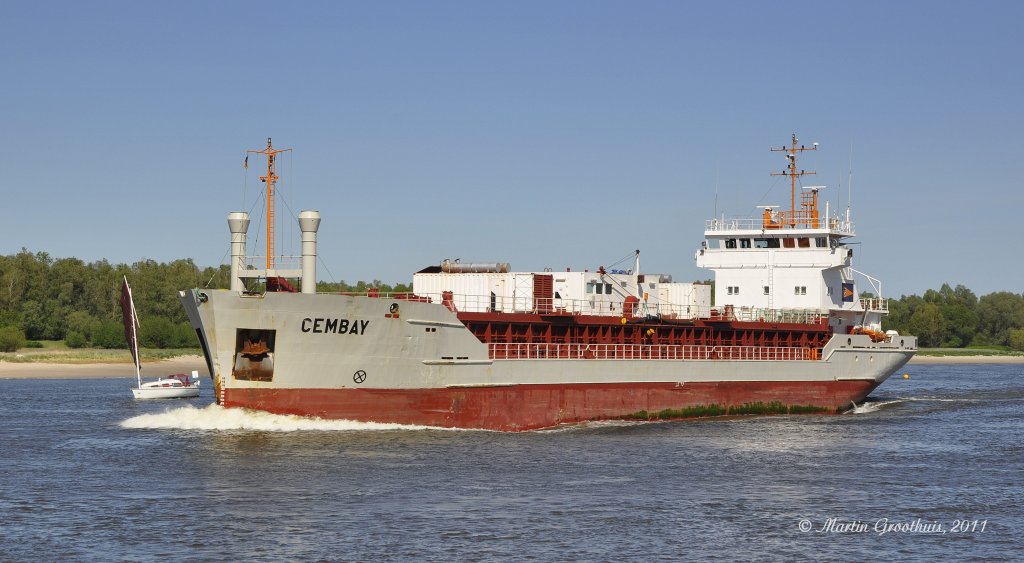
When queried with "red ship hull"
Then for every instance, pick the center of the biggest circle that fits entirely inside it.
(529, 407)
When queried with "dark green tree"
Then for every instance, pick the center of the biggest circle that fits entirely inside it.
(11, 339)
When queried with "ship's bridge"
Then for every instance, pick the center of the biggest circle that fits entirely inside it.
(790, 258)
(766, 264)
(837, 226)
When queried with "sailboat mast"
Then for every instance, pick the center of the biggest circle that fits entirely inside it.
(270, 179)
(131, 326)
(135, 340)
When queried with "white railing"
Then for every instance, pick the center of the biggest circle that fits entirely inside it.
(755, 314)
(836, 225)
(596, 307)
(280, 262)
(524, 351)
(875, 304)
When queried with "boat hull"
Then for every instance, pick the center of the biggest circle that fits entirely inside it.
(529, 407)
(376, 360)
(166, 392)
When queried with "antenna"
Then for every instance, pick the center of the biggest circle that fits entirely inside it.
(270, 180)
(810, 212)
(716, 189)
(849, 185)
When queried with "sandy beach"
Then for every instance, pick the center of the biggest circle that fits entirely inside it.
(967, 360)
(185, 364)
(33, 370)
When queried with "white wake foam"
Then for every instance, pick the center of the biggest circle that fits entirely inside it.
(218, 418)
(873, 406)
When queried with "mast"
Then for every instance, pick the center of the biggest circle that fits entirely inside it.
(791, 152)
(131, 326)
(270, 180)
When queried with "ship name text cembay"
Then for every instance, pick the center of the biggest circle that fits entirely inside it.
(334, 326)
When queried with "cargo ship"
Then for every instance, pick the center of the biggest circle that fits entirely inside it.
(783, 330)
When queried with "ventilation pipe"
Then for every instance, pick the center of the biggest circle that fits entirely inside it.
(238, 222)
(309, 222)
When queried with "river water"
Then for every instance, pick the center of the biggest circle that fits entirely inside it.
(929, 467)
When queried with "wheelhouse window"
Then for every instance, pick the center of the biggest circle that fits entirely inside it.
(744, 243)
(788, 242)
(803, 242)
(730, 243)
(821, 242)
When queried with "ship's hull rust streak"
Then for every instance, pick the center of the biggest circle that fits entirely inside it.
(529, 407)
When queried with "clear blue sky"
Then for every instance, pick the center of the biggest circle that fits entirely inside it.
(545, 134)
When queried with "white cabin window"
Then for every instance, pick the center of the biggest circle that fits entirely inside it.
(608, 288)
(821, 242)
(733, 290)
(800, 290)
(712, 243)
(730, 243)
(766, 290)
(590, 287)
(744, 243)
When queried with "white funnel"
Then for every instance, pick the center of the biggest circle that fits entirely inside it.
(238, 222)
(309, 222)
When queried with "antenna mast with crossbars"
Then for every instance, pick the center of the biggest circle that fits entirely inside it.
(270, 180)
(791, 153)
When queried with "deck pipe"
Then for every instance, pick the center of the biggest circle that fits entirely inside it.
(238, 222)
(309, 222)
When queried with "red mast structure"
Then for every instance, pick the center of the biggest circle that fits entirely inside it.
(270, 179)
(809, 215)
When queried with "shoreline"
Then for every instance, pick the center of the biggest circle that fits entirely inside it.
(185, 364)
(53, 370)
(918, 359)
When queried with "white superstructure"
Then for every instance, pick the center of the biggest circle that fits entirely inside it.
(612, 292)
(793, 260)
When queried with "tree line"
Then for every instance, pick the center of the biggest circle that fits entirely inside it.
(954, 317)
(42, 298)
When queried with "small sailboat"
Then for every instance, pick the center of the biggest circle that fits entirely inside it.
(172, 387)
